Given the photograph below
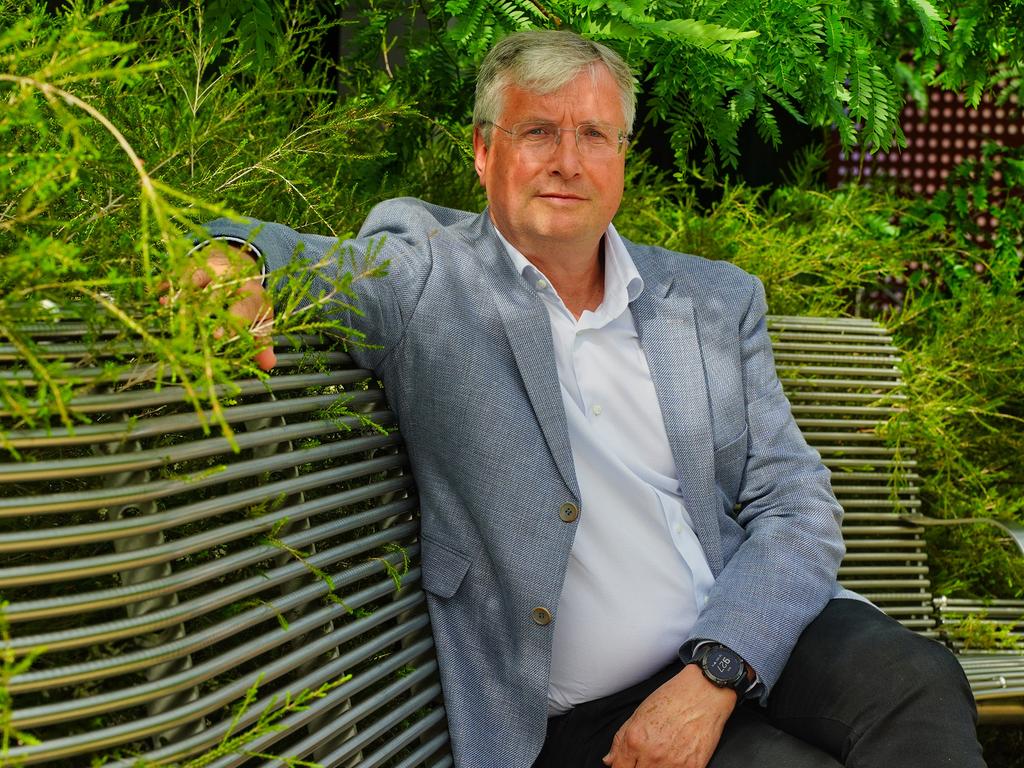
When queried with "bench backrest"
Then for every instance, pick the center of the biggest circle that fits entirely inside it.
(170, 578)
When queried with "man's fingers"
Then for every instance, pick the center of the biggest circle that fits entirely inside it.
(255, 309)
(618, 755)
(226, 271)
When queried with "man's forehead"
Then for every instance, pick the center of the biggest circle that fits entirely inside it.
(588, 97)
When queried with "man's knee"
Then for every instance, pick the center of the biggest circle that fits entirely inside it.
(875, 658)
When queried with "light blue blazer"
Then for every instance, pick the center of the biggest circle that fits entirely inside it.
(465, 354)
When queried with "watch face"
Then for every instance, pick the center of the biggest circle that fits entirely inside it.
(723, 667)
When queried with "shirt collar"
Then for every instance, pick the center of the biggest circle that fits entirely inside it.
(622, 281)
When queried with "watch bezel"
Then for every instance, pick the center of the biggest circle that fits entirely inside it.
(708, 666)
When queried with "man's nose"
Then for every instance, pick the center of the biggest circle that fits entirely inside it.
(565, 157)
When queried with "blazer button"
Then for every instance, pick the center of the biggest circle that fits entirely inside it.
(541, 615)
(569, 512)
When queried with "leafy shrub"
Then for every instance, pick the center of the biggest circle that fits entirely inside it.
(120, 137)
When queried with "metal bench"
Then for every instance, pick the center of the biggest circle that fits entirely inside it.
(170, 579)
(842, 377)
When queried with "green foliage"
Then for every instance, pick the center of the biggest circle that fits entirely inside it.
(234, 743)
(707, 68)
(817, 252)
(120, 137)
(978, 632)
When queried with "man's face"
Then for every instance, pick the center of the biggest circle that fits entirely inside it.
(561, 201)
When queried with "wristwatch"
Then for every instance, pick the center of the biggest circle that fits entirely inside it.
(723, 667)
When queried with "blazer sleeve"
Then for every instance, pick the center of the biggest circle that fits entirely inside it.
(396, 237)
(784, 572)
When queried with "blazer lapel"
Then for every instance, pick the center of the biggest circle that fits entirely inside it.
(528, 329)
(667, 328)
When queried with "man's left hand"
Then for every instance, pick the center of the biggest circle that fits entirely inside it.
(677, 726)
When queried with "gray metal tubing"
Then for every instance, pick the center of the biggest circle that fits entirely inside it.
(109, 530)
(892, 596)
(881, 504)
(400, 741)
(859, 450)
(119, 734)
(91, 566)
(880, 544)
(198, 606)
(846, 397)
(892, 383)
(859, 424)
(372, 703)
(853, 410)
(817, 438)
(872, 490)
(855, 557)
(855, 324)
(172, 395)
(126, 595)
(427, 748)
(149, 491)
(860, 585)
(86, 466)
(367, 732)
(839, 370)
(882, 570)
(832, 462)
(74, 709)
(186, 421)
(331, 670)
(884, 478)
(126, 697)
(152, 373)
(147, 657)
(381, 669)
(880, 530)
(893, 518)
(872, 362)
(811, 342)
(70, 535)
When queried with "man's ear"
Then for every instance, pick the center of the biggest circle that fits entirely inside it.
(479, 154)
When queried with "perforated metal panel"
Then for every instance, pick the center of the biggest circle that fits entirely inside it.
(163, 575)
(947, 134)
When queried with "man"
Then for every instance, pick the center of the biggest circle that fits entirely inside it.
(612, 485)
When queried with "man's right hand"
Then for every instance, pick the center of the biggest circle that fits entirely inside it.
(220, 266)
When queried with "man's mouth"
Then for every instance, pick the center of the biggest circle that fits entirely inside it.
(560, 196)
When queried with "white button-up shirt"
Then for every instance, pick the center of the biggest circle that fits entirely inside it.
(637, 575)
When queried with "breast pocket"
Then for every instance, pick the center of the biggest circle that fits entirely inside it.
(730, 463)
(444, 568)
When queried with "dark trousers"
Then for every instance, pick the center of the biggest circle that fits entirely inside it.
(859, 690)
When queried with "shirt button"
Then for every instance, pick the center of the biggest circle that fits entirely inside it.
(569, 512)
(542, 284)
(541, 616)
(596, 409)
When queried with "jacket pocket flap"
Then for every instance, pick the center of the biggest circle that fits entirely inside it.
(443, 568)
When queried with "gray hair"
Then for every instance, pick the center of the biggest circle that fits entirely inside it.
(542, 61)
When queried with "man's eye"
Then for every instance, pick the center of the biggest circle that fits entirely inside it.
(536, 132)
(593, 133)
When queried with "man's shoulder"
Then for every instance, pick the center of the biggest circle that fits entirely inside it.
(406, 212)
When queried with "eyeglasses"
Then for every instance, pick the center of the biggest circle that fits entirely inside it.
(592, 139)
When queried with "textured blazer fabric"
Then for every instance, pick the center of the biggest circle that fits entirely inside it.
(464, 349)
